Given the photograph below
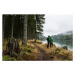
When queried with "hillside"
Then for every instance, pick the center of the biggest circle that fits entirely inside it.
(67, 33)
(67, 36)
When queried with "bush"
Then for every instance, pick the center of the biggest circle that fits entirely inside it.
(60, 53)
(57, 49)
(56, 52)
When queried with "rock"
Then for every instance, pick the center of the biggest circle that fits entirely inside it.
(65, 47)
(29, 50)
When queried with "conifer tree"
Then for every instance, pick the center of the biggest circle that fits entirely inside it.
(24, 42)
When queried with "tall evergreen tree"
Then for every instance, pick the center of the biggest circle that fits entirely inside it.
(3, 26)
(24, 42)
(12, 25)
(38, 24)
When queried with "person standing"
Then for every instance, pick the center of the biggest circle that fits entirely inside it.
(48, 42)
(51, 41)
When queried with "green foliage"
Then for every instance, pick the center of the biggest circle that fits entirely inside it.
(7, 58)
(60, 53)
(4, 45)
(56, 52)
(28, 49)
(25, 56)
(57, 49)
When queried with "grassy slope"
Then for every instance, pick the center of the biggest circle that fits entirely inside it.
(39, 51)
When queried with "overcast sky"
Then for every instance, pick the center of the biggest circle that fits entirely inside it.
(55, 24)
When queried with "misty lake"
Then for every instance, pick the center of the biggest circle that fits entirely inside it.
(69, 44)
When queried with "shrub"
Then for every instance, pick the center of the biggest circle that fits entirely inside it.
(56, 52)
(57, 49)
(60, 53)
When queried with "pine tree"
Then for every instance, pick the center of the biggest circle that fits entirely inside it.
(38, 25)
(24, 42)
(12, 26)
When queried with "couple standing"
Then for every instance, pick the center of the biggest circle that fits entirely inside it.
(49, 41)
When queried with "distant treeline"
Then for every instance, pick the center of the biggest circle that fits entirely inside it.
(63, 37)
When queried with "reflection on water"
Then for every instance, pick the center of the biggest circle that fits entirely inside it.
(69, 44)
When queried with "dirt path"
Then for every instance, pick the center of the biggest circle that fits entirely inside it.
(42, 54)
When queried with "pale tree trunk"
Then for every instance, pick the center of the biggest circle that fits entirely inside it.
(12, 26)
(35, 29)
(24, 41)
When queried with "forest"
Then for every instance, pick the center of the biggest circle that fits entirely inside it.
(63, 37)
(14, 26)
(21, 34)
(21, 27)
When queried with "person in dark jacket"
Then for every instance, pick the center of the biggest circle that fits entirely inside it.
(48, 42)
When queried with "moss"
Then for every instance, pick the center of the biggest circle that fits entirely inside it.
(4, 45)
(25, 56)
(4, 48)
(12, 38)
(7, 58)
(26, 48)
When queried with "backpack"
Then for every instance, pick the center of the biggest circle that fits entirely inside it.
(51, 40)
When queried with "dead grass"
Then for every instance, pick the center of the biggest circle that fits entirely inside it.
(32, 41)
(57, 52)
(54, 52)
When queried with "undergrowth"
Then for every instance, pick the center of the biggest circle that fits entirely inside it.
(25, 53)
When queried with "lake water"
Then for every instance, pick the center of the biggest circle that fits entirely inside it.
(69, 44)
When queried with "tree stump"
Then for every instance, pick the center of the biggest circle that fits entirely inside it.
(13, 47)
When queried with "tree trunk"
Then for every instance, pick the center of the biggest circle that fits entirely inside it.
(3, 26)
(27, 31)
(12, 26)
(35, 29)
(24, 41)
